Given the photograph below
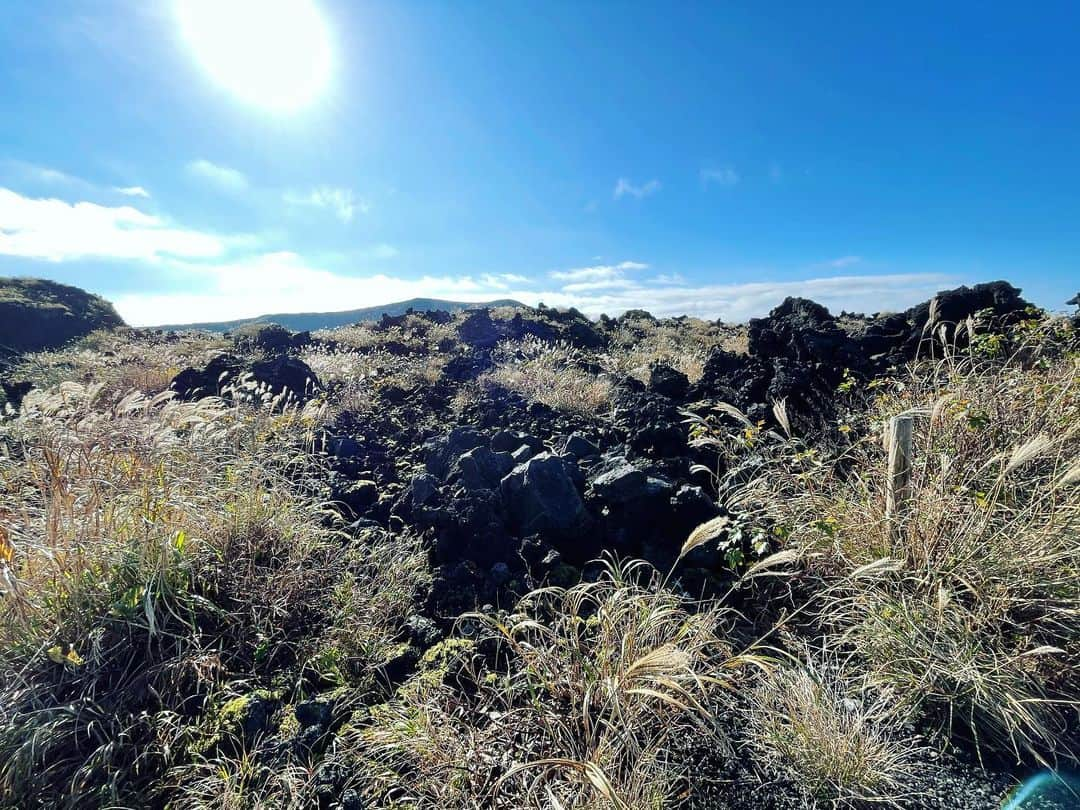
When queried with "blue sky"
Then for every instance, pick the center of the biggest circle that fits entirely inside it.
(701, 158)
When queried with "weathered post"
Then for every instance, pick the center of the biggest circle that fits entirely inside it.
(898, 483)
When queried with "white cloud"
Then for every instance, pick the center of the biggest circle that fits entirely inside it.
(597, 273)
(284, 282)
(722, 176)
(223, 178)
(737, 302)
(55, 230)
(132, 191)
(341, 202)
(614, 283)
(502, 281)
(624, 188)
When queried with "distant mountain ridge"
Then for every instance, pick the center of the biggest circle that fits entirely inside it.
(309, 321)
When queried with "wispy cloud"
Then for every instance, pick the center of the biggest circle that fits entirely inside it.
(341, 202)
(21, 172)
(502, 281)
(597, 273)
(719, 176)
(776, 172)
(132, 191)
(55, 230)
(223, 178)
(845, 261)
(625, 188)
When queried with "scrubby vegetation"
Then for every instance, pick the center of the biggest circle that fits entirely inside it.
(520, 559)
(964, 606)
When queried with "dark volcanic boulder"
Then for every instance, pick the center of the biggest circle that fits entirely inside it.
(627, 483)
(1001, 299)
(470, 527)
(580, 447)
(583, 335)
(799, 329)
(467, 366)
(541, 496)
(12, 393)
(281, 375)
(287, 375)
(479, 330)
(36, 314)
(652, 424)
(721, 370)
(266, 337)
(481, 468)
(885, 336)
(440, 452)
(668, 382)
(520, 327)
(193, 383)
(511, 440)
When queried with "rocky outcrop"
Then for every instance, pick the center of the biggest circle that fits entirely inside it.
(36, 314)
(269, 338)
(800, 353)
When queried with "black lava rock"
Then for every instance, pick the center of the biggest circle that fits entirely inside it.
(668, 382)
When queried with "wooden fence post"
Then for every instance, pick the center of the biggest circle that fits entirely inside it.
(898, 482)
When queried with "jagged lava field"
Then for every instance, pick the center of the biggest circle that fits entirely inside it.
(512, 557)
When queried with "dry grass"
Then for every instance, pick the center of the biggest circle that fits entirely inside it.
(834, 747)
(600, 686)
(156, 555)
(121, 361)
(553, 374)
(355, 377)
(162, 562)
(968, 611)
(638, 343)
(416, 334)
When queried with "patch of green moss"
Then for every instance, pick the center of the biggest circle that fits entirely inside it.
(289, 726)
(438, 666)
(238, 719)
(442, 655)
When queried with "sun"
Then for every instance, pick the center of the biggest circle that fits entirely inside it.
(274, 54)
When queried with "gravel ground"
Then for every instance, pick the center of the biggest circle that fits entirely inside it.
(728, 780)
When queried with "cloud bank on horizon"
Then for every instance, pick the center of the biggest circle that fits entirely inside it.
(229, 276)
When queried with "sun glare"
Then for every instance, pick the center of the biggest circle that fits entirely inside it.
(271, 53)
